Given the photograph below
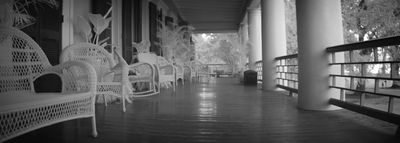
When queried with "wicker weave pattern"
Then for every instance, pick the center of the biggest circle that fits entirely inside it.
(21, 109)
(20, 61)
(167, 72)
(24, 120)
(145, 71)
(112, 78)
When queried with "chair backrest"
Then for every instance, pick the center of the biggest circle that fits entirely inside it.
(161, 61)
(142, 47)
(21, 58)
(101, 60)
(147, 57)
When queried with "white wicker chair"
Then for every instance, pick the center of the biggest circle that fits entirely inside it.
(112, 78)
(144, 71)
(167, 72)
(180, 70)
(22, 109)
(190, 71)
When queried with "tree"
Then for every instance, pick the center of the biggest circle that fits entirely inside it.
(204, 45)
(291, 26)
(221, 48)
(231, 51)
(371, 19)
(175, 42)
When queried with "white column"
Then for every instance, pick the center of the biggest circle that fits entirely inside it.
(245, 34)
(254, 18)
(319, 25)
(274, 39)
(245, 30)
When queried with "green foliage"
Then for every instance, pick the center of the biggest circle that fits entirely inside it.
(15, 12)
(291, 26)
(91, 27)
(175, 42)
(371, 19)
(222, 49)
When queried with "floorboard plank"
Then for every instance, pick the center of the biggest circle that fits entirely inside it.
(221, 110)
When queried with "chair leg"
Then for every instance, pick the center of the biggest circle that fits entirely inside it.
(174, 85)
(105, 100)
(94, 128)
(123, 103)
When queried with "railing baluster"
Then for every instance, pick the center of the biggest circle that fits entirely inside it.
(390, 106)
(351, 56)
(376, 87)
(333, 55)
(352, 83)
(362, 99)
(342, 96)
(287, 73)
(364, 80)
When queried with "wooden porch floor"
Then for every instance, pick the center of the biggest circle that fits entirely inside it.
(219, 111)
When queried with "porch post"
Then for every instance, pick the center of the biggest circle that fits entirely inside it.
(254, 20)
(274, 39)
(245, 34)
(319, 25)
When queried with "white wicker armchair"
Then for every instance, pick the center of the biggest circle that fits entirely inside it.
(22, 108)
(112, 78)
(190, 72)
(180, 70)
(167, 72)
(144, 71)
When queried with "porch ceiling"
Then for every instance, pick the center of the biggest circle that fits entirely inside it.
(213, 15)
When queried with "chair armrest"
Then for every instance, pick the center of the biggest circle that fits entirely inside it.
(138, 68)
(75, 76)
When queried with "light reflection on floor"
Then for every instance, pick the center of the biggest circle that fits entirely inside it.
(207, 104)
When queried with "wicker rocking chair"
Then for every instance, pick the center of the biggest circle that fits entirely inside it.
(112, 78)
(167, 73)
(144, 71)
(180, 70)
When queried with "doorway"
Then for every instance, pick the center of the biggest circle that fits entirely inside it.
(46, 31)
